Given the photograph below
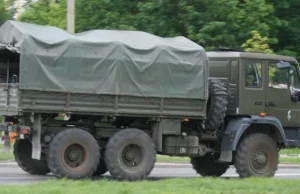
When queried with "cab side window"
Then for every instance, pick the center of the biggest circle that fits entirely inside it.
(294, 78)
(253, 72)
(278, 77)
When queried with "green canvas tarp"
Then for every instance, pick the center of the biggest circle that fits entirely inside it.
(106, 62)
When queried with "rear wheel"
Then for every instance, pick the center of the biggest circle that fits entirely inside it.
(73, 153)
(130, 155)
(22, 152)
(256, 155)
(206, 167)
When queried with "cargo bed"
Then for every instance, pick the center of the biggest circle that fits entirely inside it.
(100, 72)
(14, 101)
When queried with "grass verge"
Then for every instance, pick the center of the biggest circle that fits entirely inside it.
(166, 186)
(290, 151)
(292, 160)
(6, 156)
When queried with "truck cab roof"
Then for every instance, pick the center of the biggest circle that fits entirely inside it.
(249, 55)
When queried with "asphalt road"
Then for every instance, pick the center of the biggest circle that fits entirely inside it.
(15, 175)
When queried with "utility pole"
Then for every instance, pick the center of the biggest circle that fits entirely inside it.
(18, 8)
(71, 16)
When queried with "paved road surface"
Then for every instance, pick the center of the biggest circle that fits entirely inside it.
(14, 175)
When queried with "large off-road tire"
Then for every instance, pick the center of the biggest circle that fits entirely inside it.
(257, 156)
(206, 167)
(22, 152)
(217, 104)
(130, 155)
(73, 153)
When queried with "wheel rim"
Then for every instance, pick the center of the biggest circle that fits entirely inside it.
(259, 160)
(131, 157)
(75, 156)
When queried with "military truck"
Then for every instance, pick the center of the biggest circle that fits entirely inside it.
(109, 101)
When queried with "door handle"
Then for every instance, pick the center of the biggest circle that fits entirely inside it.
(271, 104)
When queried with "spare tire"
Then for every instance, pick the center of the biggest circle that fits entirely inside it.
(217, 104)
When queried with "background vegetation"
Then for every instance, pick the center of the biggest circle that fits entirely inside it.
(260, 25)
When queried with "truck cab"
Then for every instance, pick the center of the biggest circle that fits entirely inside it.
(264, 90)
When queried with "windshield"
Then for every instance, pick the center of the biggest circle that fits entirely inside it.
(294, 77)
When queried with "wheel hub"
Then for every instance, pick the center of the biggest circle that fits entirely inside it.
(131, 156)
(259, 160)
(74, 156)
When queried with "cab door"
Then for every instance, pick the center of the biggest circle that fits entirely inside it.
(279, 102)
(252, 92)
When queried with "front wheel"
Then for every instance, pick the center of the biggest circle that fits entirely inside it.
(256, 156)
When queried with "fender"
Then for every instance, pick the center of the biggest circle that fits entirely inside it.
(236, 128)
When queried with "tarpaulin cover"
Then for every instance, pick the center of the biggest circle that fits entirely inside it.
(106, 62)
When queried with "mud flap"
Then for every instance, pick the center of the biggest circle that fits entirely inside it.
(226, 156)
(36, 138)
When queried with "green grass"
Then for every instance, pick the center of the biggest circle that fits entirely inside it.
(290, 151)
(167, 186)
(293, 160)
(6, 156)
(162, 158)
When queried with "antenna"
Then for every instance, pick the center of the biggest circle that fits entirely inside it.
(228, 49)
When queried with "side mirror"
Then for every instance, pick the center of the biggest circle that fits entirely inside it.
(283, 64)
(295, 95)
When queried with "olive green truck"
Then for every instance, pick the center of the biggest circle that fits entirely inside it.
(109, 101)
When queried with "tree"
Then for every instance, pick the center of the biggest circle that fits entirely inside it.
(4, 15)
(257, 43)
(260, 44)
(289, 29)
(209, 23)
(106, 14)
(45, 12)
